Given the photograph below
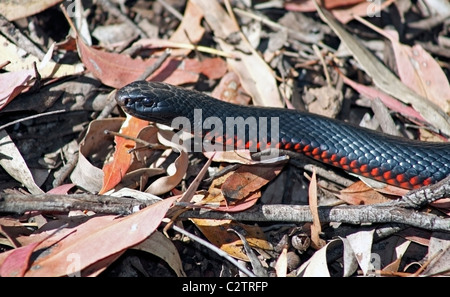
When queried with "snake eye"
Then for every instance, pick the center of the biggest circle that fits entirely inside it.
(147, 102)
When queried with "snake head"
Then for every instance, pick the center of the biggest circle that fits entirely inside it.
(149, 101)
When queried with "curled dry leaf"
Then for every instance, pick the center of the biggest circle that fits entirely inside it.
(176, 171)
(138, 172)
(159, 245)
(317, 266)
(361, 243)
(95, 143)
(248, 179)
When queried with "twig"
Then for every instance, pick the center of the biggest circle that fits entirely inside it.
(64, 172)
(324, 65)
(170, 9)
(214, 249)
(155, 65)
(32, 117)
(351, 214)
(19, 203)
(155, 146)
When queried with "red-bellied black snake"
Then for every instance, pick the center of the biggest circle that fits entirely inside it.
(394, 160)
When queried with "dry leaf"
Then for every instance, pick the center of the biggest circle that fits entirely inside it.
(418, 69)
(360, 194)
(118, 167)
(14, 83)
(316, 266)
(247, 179)
(85, 174)
(361, 243)
(159, 245)
(176, 170)
(281, 264)
(230, 90)
(14, 10)
(17, 262)
(387, 100)
(439, 254)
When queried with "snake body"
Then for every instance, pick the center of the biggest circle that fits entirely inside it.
(394, 160)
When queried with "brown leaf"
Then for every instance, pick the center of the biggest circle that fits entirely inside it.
(361, 194)
(159, 245)
(363, 9)
(118, 70)
(114, 171)
(16, 263)
(418, 70)
(308, 6)
(248, 179)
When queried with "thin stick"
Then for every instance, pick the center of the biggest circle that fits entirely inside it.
(155, 65)
(32, 117)
(155, 146)
(215, 249)
(172, 10)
